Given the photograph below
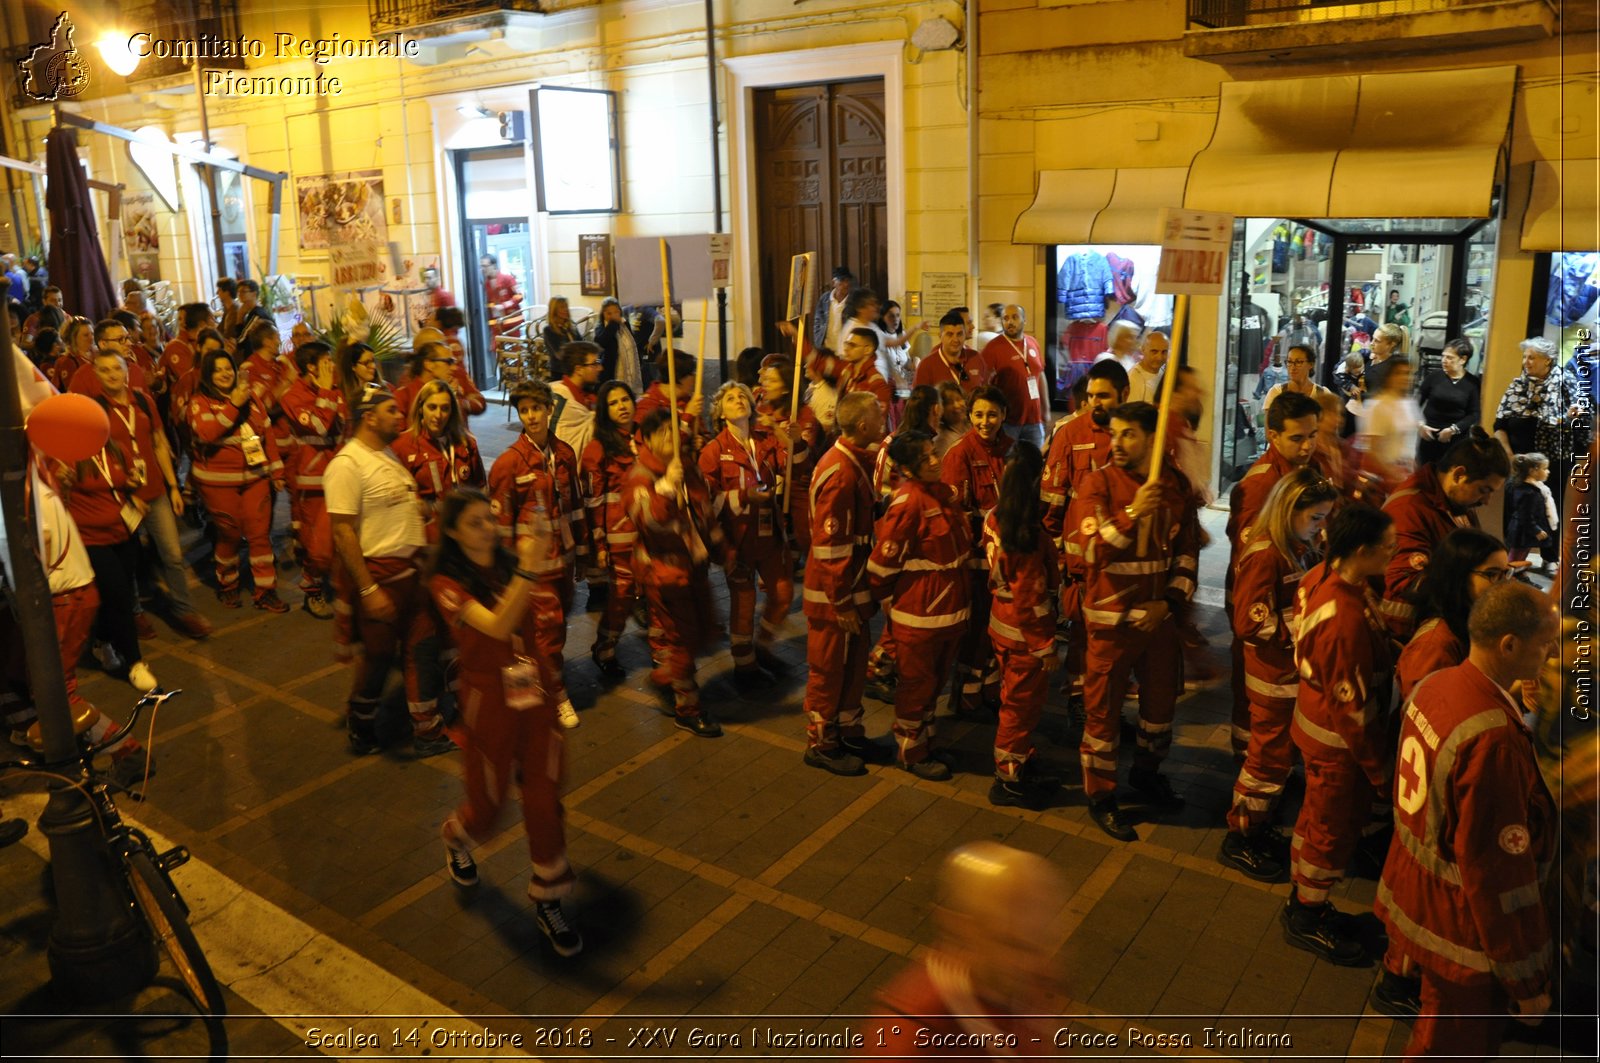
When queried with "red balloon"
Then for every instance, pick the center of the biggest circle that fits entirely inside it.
(69, 427)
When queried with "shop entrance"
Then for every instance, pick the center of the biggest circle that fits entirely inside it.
(493, 198)
(1330, 284)
(821, 185)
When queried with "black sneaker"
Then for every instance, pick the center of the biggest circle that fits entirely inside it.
(1323, 931)
(1252, 855)
(564, 937)
(771, 661)
(838, 760)
(431, 745)
(935, 770)
(362, 745)
(1156, 790)
(1108, 817)
(1021, 793)
(879, 690)
(870, 750)
(128, 771)
(701, 726)
(462, 867)
(1397, 996)
(608, 666)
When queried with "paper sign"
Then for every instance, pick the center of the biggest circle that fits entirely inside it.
(943, 292)
(638, 263)
(1194, 252)
(357, 265)
(721, 260)
(800, 286)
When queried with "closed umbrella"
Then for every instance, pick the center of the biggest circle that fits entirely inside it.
(77, 265)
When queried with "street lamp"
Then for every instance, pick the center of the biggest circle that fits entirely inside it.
(116, 53)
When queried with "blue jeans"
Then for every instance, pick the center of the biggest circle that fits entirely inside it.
(166, 553)
(1033, 433)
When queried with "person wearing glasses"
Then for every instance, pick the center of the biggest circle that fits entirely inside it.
(575, 393)
(432, 359)
(358, 367)
(108, 335)
(1300, 363)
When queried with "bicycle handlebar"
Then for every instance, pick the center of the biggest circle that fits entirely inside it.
(154, 699)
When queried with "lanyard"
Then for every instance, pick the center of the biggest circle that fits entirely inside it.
(131, 421)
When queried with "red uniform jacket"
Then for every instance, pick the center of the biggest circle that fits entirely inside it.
(439, 467)
(809, 443)
(886, 475)
(84, 382)
(674, 527)
(973, 469)
(841, 535)
(654, 398)
(1473, 823)
(734, 474)
(1264, 617)
(135, 424)
(1432, 649)
(1344, 657)
(920, 561)
(63, 370)
(1117, 574)
(314, 416)
(177, 359)
(600, 477)
(96, 498)
(1015, 369)
(931, 1009)
(1422, 516)
(1076, 446)
(970, 374)
(1025, 586)
(1249, 495)
(864, 376)
(468, 397)
(217, 427)
(531, 487)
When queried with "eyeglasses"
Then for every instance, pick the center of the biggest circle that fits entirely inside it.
(588, 365)
(443, 361)
(1493, 575)
(108, 338)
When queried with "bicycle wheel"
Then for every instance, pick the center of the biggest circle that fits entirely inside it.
(169, 925)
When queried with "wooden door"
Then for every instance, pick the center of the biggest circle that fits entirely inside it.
(821, 186)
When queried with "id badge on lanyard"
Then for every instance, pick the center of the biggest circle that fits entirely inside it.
(255, 453)
(520, 680)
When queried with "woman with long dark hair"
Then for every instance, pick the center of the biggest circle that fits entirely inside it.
(237, 468)
(1281, 548)
(603, 465)
(508, 722)
(1024, 580)
(358, 367)
(437, 450)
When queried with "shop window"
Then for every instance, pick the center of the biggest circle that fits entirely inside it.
(1102, 297)
(1572, 317)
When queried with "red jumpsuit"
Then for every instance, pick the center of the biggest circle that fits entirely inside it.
(930, 1009)
(1126, 566)
(439, 466)
(809, 444)
(752, 536)
(265, 374)
(1344, 657)
(537, 487)
(64, 369)
(864, 376)
(1461, 892)
(502, 744)
(611, 536)
(836, 584)
(314, 415)
(886, 480)
(655, 398)
(1432, 649)
(973, 468)
(670, 558)
(1423, 516)
(1077, 445)
(920, 561)
(1245, 503)
(1022, 627)
(1264, 623)
(236, 485)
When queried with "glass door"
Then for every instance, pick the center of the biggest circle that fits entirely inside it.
(493, 199)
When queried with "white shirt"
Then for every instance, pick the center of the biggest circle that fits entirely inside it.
(891, 361)
(575, 426)
(835, 324)
(1143, 386)
(1391, 425)
(372, 486)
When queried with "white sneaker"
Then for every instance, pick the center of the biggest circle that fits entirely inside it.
(567, 715)
(141, 678)
(107, 656)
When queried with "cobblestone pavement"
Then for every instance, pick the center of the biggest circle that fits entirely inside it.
(717, 878)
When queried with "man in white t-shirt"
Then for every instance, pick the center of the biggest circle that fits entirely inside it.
(378, 536)
(575, 394)
(1144, 379)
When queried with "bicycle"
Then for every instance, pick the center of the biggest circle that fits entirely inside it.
(146, 874)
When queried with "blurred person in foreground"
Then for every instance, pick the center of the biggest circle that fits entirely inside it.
(990, 965)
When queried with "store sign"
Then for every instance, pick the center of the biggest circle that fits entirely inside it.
(364, 264)
(1194, 252)
(721, 260)
(942, 292)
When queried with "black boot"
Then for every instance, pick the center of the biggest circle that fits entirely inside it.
(1322, 930)
(1108, 817)
(1251, 854)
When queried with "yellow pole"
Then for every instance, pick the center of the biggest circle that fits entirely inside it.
(794, 409)
(700, 352)
(1169, 378)
(672, 365)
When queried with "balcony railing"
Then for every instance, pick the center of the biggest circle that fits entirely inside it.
(389, 16)
(1232, 14)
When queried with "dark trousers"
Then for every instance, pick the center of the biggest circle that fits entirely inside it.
(115, 567)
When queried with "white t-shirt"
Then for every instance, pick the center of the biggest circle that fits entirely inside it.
(372, 486)
(1391, 425)
(575, 426)
(835, 324)
(1143, 385)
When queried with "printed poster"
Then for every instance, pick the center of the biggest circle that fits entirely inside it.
(338, 209)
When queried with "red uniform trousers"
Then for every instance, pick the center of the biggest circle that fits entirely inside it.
(313, 534)
(776, 570)
(1269, 755)
(550, 631)
(502, 745)
(924, 664)
(382, 641)
(1076, 663)
(620, 603)
(881, 661)
(836, 675)
(1115, 654)
(800, 519)
(975, 664)
(1241, 719)
(1023, 685)
(74, 612)
(242, 511)
(680, 625)
(1458, 1022)
(1337, 807)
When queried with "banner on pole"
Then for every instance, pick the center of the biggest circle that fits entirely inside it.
(1194, 252)
(801, 286)
(638, 263)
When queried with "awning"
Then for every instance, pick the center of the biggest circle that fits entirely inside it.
(1395, 145)
(1564, 207)
(1104, 206)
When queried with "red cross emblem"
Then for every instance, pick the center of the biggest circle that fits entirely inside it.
(1411, 780)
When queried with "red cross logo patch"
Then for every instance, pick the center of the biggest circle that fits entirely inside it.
(1514, 839)
(1419, 561)
(1258, 612)
(1411, 780)
(1088, 526)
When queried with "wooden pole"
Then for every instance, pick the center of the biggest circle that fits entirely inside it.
(672, 364)
(700, 352)
(794, 410)
(1169, 378)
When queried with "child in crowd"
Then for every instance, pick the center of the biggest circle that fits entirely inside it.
(1530, 515)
